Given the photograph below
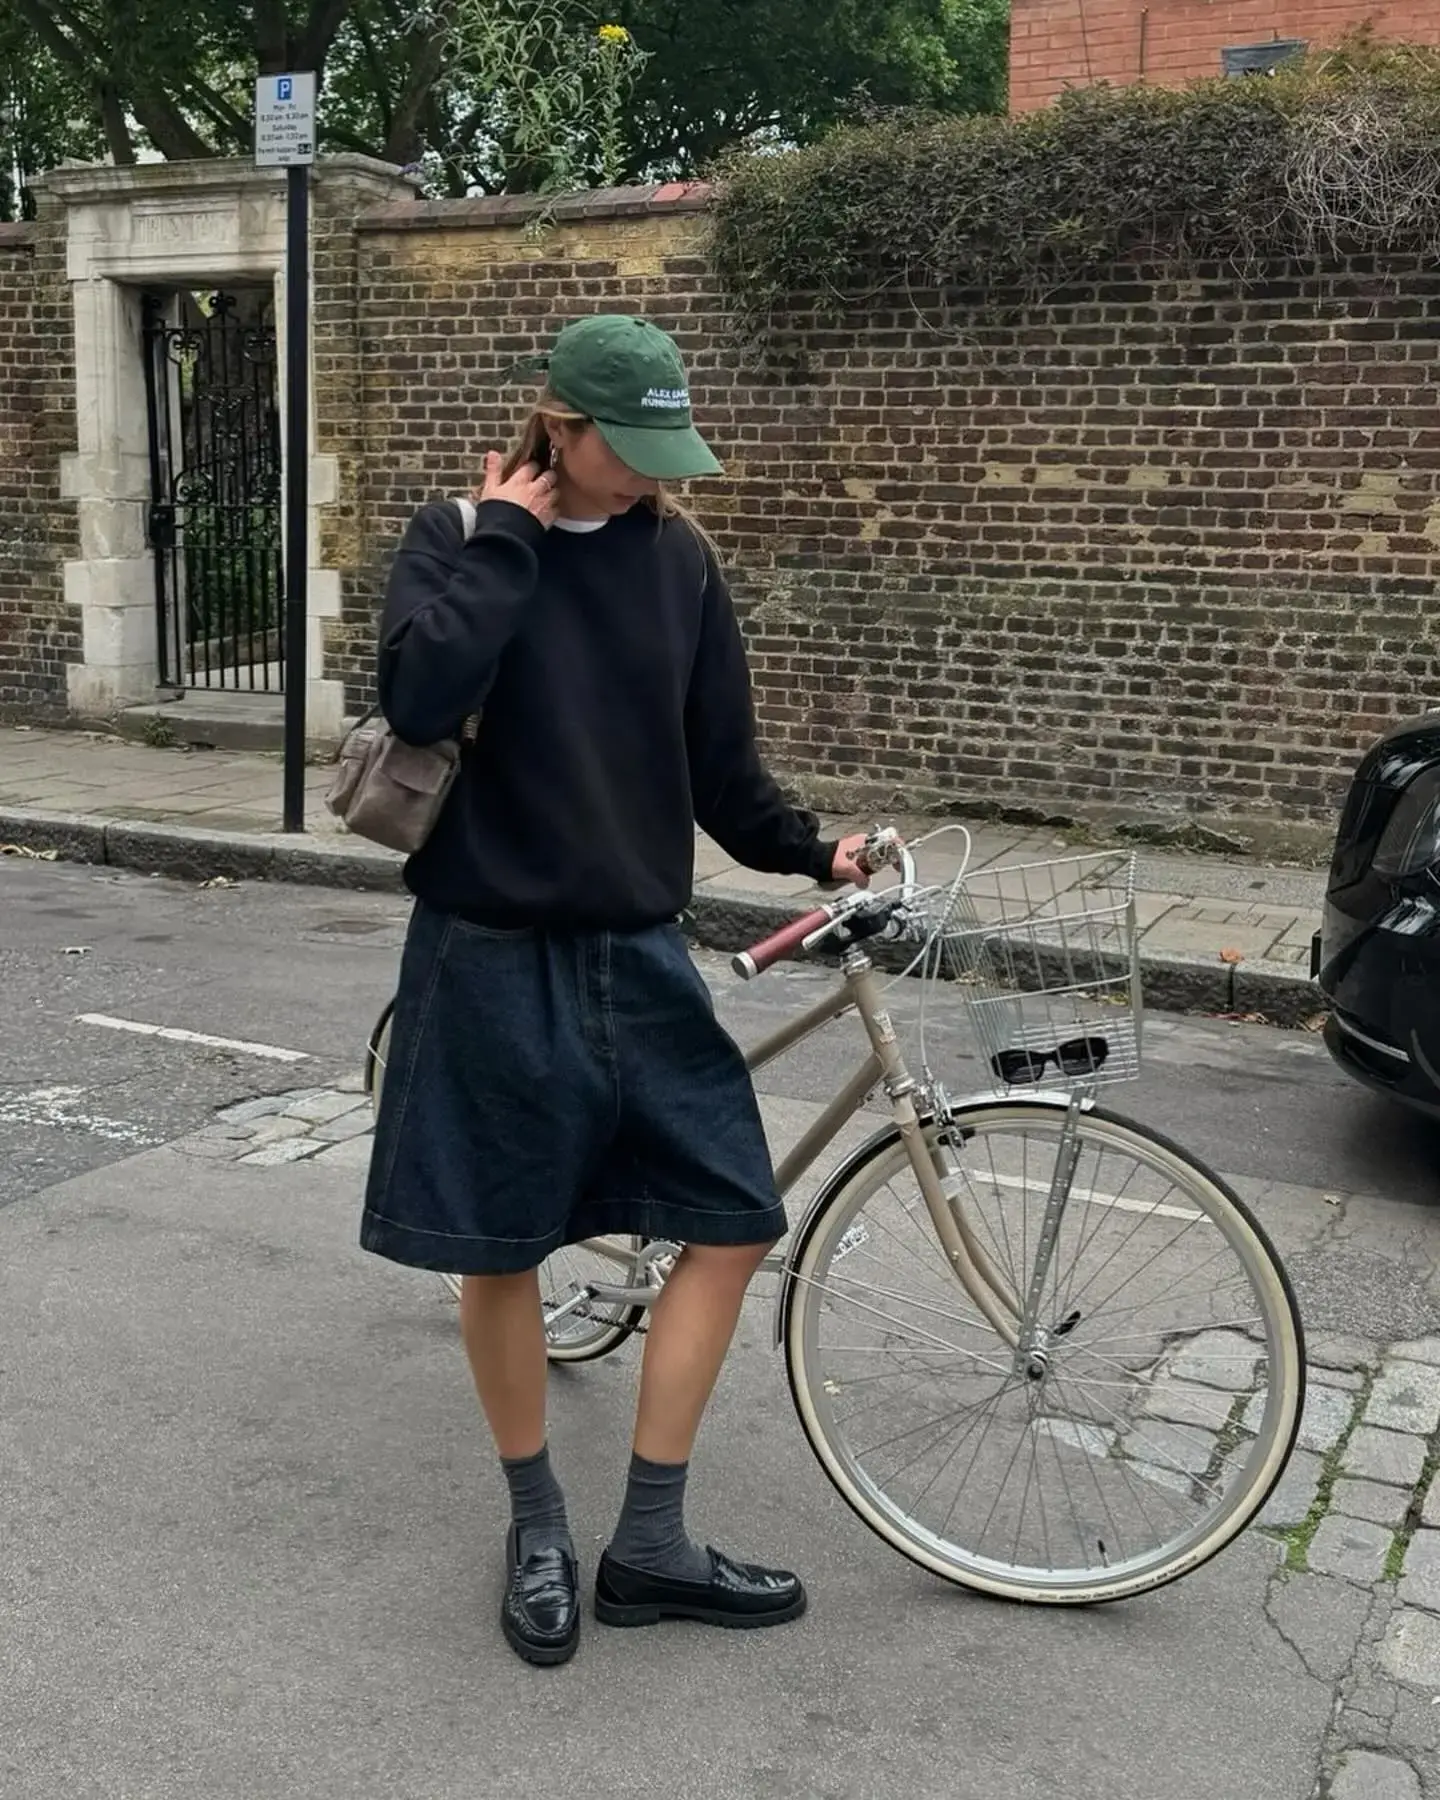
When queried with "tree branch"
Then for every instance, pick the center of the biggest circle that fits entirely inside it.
(272, 37)
(168, 128)
(117, 128)
(338, 138)
(377, 73)
(403, 141)
(469, 125)
(84, 37)
(53, 38)
(221, 112)
(326, 18)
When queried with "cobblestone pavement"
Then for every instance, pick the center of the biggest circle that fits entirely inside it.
(330, 1124)
(1355, 1518)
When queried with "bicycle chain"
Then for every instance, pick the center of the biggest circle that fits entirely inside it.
(601, 1319)
(641, 1329)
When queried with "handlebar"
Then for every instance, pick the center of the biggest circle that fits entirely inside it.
(780, 944)
(884, 848)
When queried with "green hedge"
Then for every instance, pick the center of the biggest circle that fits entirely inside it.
(1339, 154)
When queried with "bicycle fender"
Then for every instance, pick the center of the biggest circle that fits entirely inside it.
(873, 1146)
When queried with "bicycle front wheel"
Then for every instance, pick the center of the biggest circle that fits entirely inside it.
(1140, 1426)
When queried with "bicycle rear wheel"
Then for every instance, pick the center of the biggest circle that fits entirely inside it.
(1146, 1425)
(578, 1327)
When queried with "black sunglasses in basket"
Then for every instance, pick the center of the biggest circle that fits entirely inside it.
(1079, 1056)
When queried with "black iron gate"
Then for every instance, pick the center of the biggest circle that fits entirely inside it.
(214, 521)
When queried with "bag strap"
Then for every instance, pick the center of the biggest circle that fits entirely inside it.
(469, 520)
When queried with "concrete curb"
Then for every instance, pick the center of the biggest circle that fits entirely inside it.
(1171, 982)
(188, 854)
(717, 919)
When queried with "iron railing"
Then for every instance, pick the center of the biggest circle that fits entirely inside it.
(215, 485)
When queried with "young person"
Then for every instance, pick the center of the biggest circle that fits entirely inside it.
(556, 1070)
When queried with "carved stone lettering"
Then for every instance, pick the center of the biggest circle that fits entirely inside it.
(180, 227)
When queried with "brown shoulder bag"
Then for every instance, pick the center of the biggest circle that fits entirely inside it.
(391, 792)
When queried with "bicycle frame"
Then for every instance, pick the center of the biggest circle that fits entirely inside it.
(884, 1065)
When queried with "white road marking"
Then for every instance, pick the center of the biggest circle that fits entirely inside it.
(1120, 1202)
(59, 1107)
(175, 1035)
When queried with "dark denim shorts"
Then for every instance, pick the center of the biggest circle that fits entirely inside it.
(543, 1087)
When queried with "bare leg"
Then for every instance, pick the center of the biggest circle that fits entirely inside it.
(653, 1569)
(504, 1335)
(691, 1326)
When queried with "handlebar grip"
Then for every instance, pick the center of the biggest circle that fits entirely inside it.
(784, 942)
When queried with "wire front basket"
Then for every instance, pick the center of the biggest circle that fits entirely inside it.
(1046, 957)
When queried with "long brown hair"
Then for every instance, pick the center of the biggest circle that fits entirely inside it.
(533, 446)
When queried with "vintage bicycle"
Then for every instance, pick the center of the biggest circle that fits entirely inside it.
(1038, 1348)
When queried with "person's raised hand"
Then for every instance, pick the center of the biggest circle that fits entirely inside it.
(532, 488)
(848, 864)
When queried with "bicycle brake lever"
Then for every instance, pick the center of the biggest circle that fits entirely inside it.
(842, 917)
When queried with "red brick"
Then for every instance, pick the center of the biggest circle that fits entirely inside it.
(1183, 38)
(39, 633)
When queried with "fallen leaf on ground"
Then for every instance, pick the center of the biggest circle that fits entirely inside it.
(1232, 957)
(26, 851)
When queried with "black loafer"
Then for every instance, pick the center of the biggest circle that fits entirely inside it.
(540, 1615)
(736, 1595)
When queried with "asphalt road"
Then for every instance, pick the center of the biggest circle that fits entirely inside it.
(248, 1522)
(308, 969)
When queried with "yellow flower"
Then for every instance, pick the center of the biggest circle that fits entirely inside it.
(614, 34)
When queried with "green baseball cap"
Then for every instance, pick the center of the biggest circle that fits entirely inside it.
(626, 375)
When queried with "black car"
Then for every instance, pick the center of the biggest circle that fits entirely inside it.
(1377, 955)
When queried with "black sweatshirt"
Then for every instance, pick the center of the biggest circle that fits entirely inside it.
(616, 715)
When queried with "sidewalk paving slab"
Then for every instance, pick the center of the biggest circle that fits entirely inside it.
(197, 815)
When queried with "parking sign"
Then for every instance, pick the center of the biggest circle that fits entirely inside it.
(284, 120)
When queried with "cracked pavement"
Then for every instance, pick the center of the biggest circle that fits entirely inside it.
(249, 1537)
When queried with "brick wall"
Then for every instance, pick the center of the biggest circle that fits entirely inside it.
(341, 193)
(1055, 44)
(451, 294)
(38, 637)
(1154, 549)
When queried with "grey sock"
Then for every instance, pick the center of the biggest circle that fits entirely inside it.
(536, 1504)
(651, 1533)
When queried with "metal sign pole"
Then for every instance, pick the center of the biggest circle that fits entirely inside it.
(297, 482)
(285, 139)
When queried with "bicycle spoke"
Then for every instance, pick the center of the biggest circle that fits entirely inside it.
(1087, 1455)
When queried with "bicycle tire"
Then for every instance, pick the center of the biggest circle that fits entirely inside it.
(610, 1328)
(835, 1228)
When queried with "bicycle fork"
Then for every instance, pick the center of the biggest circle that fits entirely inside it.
(1016, 1321)
(972, 1264)
(1032, 1353)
